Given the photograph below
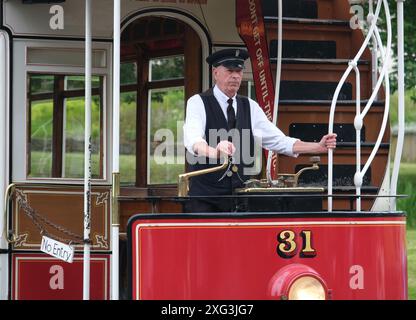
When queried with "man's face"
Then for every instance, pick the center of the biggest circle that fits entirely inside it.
(228, 80)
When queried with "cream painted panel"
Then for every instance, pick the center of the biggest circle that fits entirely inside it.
(4, 156)
(32, 20)
(19, 92)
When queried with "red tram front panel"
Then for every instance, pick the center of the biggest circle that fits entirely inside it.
(37, 276)
(237, 257)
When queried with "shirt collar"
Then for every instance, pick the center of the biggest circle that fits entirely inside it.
(221, 96)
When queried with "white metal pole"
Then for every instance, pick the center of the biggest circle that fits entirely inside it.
(3, 164)
(87, 152)
(384, 75)
(277, 86)
(116, 151)
(358, 124)
(401, 115)
(331, 130)
(374, 58)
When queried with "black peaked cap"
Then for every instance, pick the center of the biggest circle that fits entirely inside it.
(229, 58)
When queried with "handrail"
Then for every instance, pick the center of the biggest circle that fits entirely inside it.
(358, 124)
(384, 74)
(10, 238)
(374, 60)
(183, 179)
(385, 56)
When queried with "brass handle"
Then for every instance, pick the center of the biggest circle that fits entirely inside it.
(11, 238)
(315, 160)
(291, 179)
(183, 179)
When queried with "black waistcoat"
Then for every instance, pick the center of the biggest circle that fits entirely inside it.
(209, 184)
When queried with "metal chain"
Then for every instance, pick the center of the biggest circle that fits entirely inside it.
(40, 221)
(229, 171)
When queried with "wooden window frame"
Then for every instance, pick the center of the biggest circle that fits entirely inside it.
(142, 88)
(192, 83)
(58, 97)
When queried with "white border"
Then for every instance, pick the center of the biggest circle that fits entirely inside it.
(16, 274)
(5, 151)
(19, 86)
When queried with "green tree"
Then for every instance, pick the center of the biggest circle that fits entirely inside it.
(128, 73)
(167, 68)
(409, 42)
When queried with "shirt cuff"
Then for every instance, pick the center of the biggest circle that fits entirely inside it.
(190, 147)
(290, 143)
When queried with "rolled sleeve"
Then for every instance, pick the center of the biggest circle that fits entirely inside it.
(268, 135)
(289, 147)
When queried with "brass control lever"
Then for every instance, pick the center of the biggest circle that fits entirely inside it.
(183, 179)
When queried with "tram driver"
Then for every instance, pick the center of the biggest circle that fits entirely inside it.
(218, 110)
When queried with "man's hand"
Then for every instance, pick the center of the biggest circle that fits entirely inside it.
(225, 147)
(202, 149)
(328, 141)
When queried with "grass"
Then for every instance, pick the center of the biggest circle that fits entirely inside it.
(408, 170)
(41, 164)
(74, 168)
(407, 186)
(410, 107)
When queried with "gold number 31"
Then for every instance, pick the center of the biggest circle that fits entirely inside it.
(287, 244)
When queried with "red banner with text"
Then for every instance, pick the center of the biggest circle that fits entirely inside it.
(251, 29)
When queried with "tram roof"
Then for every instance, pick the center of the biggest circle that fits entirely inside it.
(33, 18)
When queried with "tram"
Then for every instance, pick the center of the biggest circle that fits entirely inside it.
(92, 101)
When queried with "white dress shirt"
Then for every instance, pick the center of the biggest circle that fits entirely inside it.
(270, 137)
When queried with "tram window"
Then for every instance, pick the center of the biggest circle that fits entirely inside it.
(166, 106)
(41, 84)
(73, 149)
(41, 138)
(78, 83)
(128, 116)
(158, 54)
(128, 74)
(164, 157)
(56, 126)
(166, 68)
(128, 122)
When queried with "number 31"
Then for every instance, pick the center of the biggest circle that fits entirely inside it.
(287, 246)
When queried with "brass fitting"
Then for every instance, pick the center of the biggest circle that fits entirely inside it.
(10, 237)
(114, 199)
(291, 180)
(183, 179)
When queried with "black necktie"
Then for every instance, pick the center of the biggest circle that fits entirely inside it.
(230, 114)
